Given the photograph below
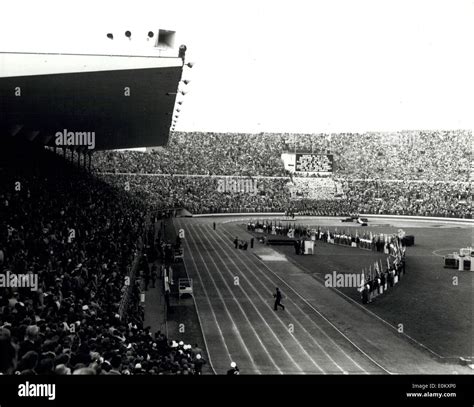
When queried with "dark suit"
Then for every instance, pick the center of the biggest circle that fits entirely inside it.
(278, 297)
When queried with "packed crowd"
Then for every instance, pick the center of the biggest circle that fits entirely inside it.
(79, 236)
(204, 195)
(409, 155)
(445, 199)
(404, 173)
(202, 154)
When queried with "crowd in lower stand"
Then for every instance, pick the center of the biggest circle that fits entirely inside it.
(203, 195)
(80, 237)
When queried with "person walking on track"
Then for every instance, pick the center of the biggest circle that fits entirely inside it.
(278, 296)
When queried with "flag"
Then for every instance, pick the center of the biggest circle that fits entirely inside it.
(362, 280)
(399, 249)
(379, 274)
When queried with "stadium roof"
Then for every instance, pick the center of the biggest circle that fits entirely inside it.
(127, 101)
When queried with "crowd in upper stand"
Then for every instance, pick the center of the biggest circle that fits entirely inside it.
(433, 156)
(79, 236)
(410, 172)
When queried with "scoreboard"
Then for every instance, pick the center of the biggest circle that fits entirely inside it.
(314, 163)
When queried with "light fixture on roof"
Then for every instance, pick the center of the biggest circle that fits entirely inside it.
(128, 34)
(110, 36)
(151, 34)
(182, 92)
(182, 52)
(180, 102)
(189, 64)
(186, 81)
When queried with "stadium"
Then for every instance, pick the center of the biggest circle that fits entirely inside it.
(220, 253)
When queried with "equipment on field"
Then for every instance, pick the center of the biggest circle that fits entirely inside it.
(185, 286)
(309, 247)
(408, 240)
(462, 261)
(281, 242)
(178, 254)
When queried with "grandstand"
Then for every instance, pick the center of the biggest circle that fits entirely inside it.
(83, 239)
(95, 237)
(75, 252)
(379, 173)
(173, 260)
(281, 191)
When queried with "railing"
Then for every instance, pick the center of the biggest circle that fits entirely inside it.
(130, 279)
(129, 284)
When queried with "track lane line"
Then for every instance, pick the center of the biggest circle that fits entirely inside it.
(234, 324)
(202, 326)
(285, 328)
(324, 317)
(237, 333)
(305, 315)
(265, 303)
(240, 307)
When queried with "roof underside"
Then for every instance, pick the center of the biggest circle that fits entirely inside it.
(125, 108)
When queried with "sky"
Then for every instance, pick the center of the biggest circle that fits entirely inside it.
(284, 66)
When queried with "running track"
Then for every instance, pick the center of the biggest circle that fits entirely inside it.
(238, 320)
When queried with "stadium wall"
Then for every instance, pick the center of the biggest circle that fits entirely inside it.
(401, 217)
